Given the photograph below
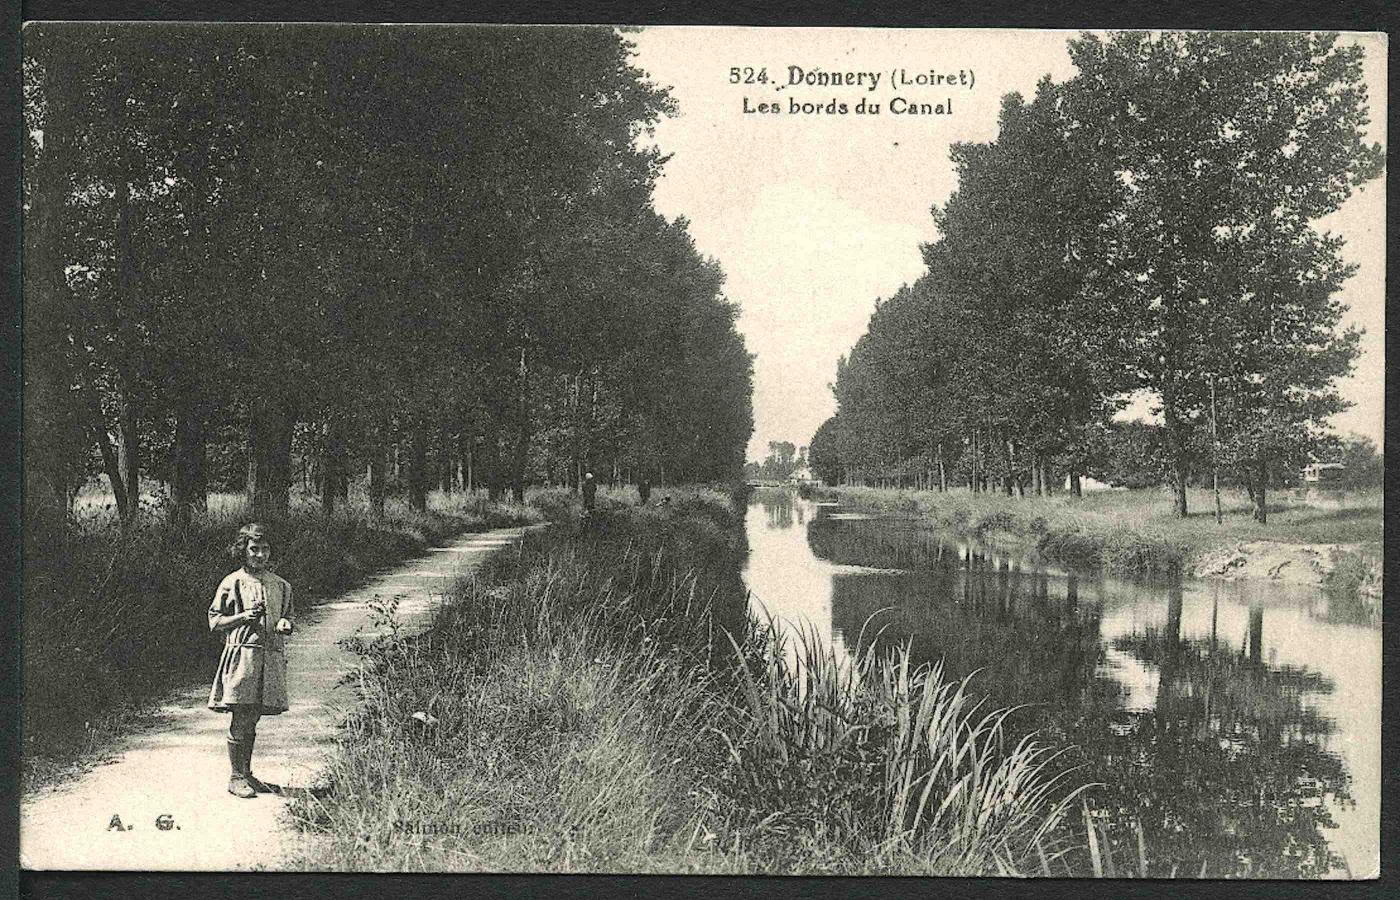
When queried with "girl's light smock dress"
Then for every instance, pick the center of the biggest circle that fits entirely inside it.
(253, 666)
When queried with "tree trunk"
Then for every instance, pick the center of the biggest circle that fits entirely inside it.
(189, 484)
(270, 457)
(112, 465)
(575, 478)
(976, 466)
(50, 429)
(129, 454)
(1075, 488)
(417, 469)
(519, 457)
(522, 434)
(1037, 476)
(464, 456)
(378, 470)
(1177, 447)
(1179, 488)
(47, 433)
(1260, 498)
(332, 464)
(445, 467)
(942, 472)
(491, 461)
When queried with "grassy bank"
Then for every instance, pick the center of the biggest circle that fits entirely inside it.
(1129, 532)
(603, 701)
(114, 620)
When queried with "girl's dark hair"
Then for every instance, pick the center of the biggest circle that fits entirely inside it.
(250, 532)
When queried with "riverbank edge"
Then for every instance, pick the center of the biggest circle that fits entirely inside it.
(1092, 540)
(54, 758)
(556, 717)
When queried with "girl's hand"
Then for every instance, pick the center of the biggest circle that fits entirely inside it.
(284, 626)
(255, 611)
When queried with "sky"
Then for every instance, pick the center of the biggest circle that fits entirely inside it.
(814, 216)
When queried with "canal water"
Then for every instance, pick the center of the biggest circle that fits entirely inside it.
(1237, 725)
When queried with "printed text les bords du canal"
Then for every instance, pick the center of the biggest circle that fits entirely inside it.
(859, 91)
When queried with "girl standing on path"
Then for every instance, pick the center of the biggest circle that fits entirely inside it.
(251, 681)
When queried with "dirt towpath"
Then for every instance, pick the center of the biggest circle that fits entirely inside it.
(168, 786)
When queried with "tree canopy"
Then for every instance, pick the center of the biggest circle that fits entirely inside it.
(1147, 225)
(430, 254)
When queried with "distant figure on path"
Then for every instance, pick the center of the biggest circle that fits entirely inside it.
(590, 494)
(644, 489)
(251, 681)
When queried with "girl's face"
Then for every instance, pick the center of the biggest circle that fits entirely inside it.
(258, 555)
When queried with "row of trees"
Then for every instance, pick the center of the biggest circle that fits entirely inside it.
(784, 458)
(411, 249)
(1143, 226)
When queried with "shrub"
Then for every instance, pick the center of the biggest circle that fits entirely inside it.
(1354, 583)
(556, 504)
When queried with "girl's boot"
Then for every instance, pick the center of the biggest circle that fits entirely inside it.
(238, 784)
(248, 776)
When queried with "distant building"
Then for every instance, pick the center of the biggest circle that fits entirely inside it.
(1323, 475)
(1089, 485)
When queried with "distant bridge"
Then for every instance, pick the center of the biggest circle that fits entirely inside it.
(781, 482)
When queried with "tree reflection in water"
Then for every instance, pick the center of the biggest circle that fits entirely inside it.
(779, 508)
(1229, 767)
(1225, 774)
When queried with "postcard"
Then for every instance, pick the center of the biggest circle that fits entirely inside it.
(721, 450)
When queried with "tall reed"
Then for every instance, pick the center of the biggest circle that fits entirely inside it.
(896, 762)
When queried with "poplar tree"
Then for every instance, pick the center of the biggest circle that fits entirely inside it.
(1148, 224)
(1227, 146)
(336, 247)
